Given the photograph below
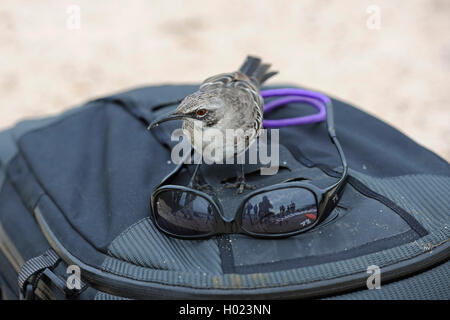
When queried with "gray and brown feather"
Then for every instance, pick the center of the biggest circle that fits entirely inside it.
(230, 100)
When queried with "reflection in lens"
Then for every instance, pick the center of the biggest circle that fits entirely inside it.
(280, 211)
(184, 213)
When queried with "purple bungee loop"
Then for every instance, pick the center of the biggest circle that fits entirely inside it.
(291, 95)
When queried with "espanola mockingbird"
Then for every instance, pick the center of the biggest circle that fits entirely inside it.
(224, 101)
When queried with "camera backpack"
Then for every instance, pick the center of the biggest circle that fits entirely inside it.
(75, 218)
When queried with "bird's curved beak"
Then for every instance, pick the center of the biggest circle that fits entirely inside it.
(166, 117)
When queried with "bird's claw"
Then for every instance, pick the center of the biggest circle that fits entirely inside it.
(202, 187)
(240, 185)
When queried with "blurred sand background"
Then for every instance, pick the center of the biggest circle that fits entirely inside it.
(399, 72)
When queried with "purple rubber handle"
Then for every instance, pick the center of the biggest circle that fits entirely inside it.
(290, 95)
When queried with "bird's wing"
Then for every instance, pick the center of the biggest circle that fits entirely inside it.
(231, 79)
(251, 99)
(234, 80)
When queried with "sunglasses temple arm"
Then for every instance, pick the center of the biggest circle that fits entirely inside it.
(335, 141)
(334, 192)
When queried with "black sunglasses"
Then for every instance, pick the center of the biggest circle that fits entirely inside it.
(281, 210)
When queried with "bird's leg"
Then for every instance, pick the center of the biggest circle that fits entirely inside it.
(240, 183)
(194, 183)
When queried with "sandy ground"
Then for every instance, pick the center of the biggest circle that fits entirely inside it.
(399, 72)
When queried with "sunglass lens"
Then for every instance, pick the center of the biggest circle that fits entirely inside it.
(280, 211)
(184, 213)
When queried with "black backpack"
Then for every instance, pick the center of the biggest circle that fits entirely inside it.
(75, 205)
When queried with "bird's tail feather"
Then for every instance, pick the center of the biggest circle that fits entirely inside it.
(256, 70)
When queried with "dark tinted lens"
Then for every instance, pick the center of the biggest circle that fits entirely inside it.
(184, 213)
(280, 211)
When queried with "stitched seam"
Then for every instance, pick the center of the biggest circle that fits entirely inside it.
(358, 248)
(56, 122)
(123, 233)
(363, 189)
(106, 269)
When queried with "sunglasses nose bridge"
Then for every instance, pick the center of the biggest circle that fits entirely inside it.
(229, 225)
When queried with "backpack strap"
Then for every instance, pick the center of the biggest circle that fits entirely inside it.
(32, 270)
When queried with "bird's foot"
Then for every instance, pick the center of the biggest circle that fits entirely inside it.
(240, 185)
(195, 182)
(202, 187)
(196, 185)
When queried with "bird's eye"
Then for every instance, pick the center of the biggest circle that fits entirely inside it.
(201, 112)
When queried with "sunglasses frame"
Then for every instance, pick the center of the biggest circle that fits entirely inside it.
(326, 199)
